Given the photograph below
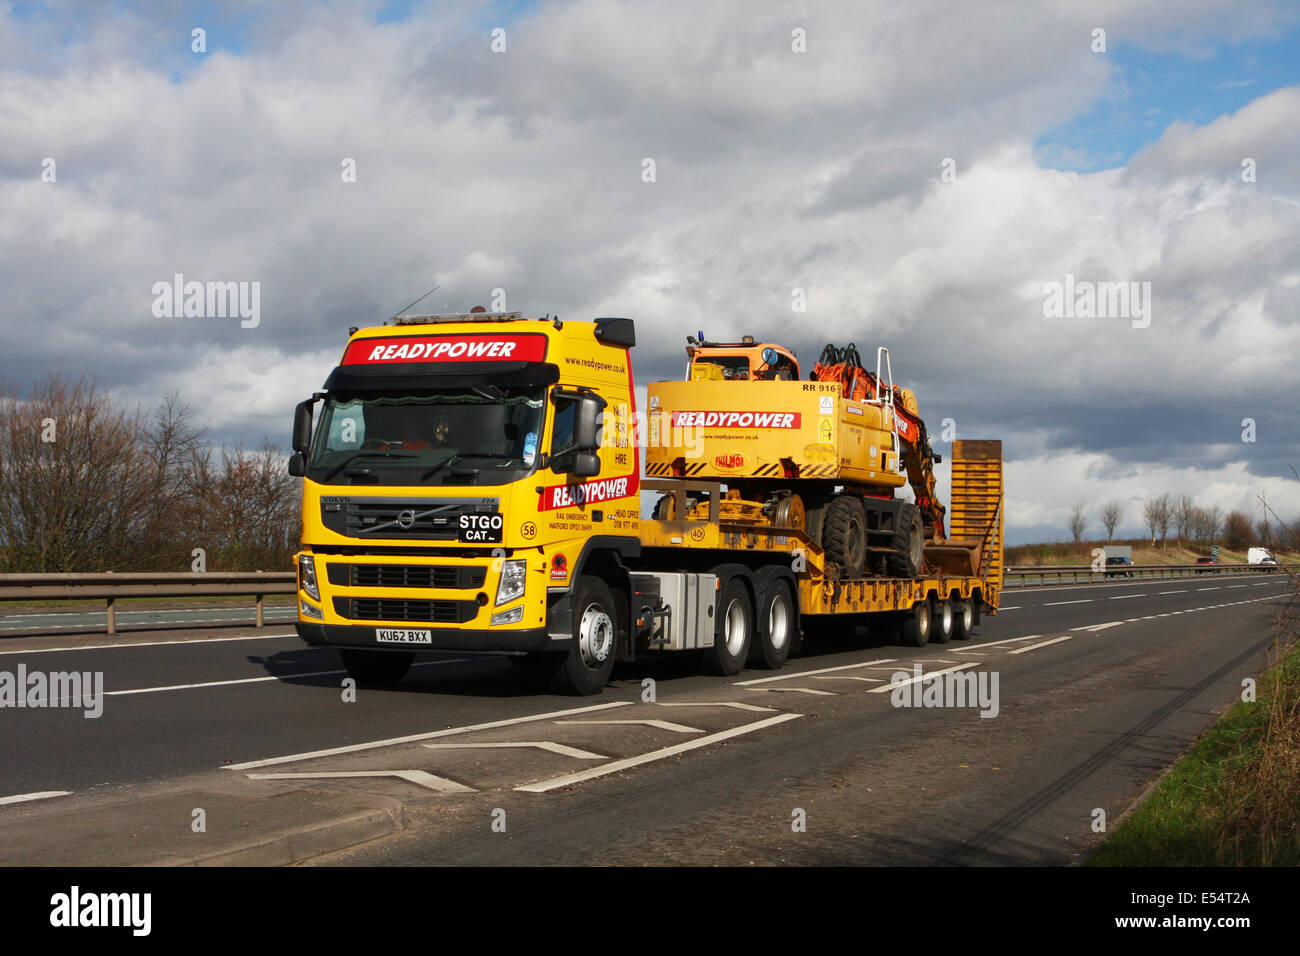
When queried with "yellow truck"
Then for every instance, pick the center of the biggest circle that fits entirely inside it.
(473, 483)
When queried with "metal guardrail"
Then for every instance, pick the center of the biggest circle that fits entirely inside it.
(1085, 574)
(109, 586)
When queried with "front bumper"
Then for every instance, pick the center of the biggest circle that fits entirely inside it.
(444, 638)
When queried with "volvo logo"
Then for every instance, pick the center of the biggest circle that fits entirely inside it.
(405, 519)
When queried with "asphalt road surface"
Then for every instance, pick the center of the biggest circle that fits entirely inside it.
(1098, 688)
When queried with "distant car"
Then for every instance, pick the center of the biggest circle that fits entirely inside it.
(1205, 560)
(1119, 567)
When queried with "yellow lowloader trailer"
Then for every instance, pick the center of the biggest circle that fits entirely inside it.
(473, 483)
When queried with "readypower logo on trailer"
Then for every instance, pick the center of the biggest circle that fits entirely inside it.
(446, 348)
(706, 419)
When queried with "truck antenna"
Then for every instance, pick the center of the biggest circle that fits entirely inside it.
(420, 299)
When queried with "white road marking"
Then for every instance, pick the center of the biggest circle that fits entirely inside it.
(725, 703)
(661, 724)
(105, 647)
(255, 680)
(1034, 647)
(824, 670)
(1099, 627)
(1125, 597)
(41, 795)
(1009, 640)
(1207, 589)
(1232, 586)
(912, 680)
(1014, 607)
(1059, 603)
(1183, 591)
(872, 680)
(628, 762)
(412, 738)
(418, 777)
(561, 749)
(794, 690)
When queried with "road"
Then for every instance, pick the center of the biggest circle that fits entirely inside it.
(1099, 688)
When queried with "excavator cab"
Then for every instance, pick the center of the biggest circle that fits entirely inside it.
(746, 360)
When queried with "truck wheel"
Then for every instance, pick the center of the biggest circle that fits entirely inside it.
(735, 628)
(845, 534)
(940, 621)
(963, 618)
(776, 617)
(914, 629)
(586, 669)
(377, 668)
(909, 543)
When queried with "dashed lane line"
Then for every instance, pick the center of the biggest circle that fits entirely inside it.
(1125, 597)
(627, 763)
(1059, 603)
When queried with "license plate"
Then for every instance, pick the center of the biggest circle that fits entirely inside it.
(480, 528)
(403, 635)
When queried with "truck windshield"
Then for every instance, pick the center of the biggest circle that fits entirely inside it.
(485, 436)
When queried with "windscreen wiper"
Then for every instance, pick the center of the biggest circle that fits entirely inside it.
(469, 454)
(361, 454)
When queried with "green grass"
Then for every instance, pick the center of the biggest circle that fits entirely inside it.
(1234, 800)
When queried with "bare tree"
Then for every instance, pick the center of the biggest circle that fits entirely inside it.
(1182, 513)
(1238, 535)
(1078, 520)
(1112, 513)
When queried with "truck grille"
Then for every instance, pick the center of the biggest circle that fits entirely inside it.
(398, 609)
(406, 576)
(435, 519)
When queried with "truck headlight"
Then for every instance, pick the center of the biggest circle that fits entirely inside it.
(307, 575)
(511, 585)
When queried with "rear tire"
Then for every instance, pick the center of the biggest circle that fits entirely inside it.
(941, 626)
(963, 618)
(589, 664)
(914, 629)
(735, 628)
(845, 534)
(909, 543)
(377, 668)
(776, 622)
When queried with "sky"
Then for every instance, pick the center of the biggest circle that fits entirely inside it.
(933, 177)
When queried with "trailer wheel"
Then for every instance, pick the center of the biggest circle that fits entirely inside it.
(377, 668)
(776, 619)
(914, 628)
(909, 543)
(845, 534)
(963, 618)
(734, 631)
(941, 625)
(587, 667)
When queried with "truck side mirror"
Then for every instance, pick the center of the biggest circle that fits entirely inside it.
(298, 464)
(586, 424)
(584, 464)
(302, 425)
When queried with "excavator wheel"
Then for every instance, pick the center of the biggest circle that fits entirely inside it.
(844, 534)
(909, 543)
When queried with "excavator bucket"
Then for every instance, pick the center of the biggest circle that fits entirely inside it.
(959, 558)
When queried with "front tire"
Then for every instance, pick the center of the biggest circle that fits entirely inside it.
(589, 664)
(909, 543)
(845, 534)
